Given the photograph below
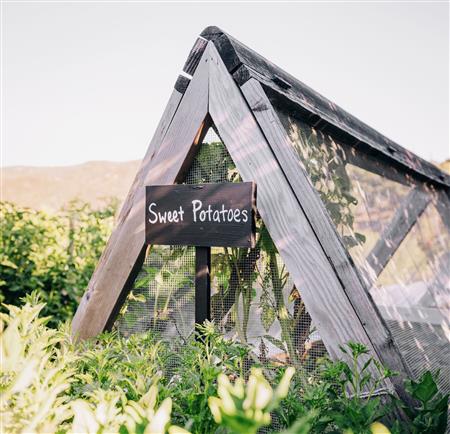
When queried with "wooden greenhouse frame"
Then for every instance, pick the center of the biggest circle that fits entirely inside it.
(235, 89)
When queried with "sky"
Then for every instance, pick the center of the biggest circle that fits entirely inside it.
(86, 81)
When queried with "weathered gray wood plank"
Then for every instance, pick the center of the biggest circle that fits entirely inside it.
(172, 141)
(194, 56)
(392, 236)
(182, 83)
(285, 219)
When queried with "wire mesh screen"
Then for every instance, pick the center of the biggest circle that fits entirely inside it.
(397, 232)
(162, 298)
(413, 294)
(253, 298)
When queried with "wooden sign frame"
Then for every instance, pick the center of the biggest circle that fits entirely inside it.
(173, 217)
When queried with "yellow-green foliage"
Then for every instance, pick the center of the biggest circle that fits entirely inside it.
(47, 384)
(37, 368)
(39, 365)
(244, 408)
(111, 384)
(54, 254)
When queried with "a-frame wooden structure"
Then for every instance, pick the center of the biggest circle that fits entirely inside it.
(233, 87)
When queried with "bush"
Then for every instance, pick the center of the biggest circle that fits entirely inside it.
(40, 367)
(107, 385)
(54, 254)
(206, 385)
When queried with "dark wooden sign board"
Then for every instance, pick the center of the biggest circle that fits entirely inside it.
(201, 215)
(221, 215)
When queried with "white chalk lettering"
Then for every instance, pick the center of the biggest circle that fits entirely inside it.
(196, 205)
(155, 219)
(174, 216)
(221, 214)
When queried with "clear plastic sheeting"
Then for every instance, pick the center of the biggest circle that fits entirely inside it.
(253, 299)
(397, 233)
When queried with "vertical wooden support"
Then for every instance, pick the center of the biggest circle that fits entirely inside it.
(202, 284)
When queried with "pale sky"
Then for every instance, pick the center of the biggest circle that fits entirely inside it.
(89, 81)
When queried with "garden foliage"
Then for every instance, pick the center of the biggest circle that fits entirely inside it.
(143, 384)
(53, 253)
(204, 385)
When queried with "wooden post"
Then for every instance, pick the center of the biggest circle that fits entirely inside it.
(202, 284)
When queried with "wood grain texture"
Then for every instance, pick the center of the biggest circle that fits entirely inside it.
(353, 289)
(182, 83)
(409, 211)
(194, 56)
(333, 118)
(309, 267)
(172, 141)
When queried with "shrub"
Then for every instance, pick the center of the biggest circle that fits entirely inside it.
(39, 366)
(110, 384)
(243, 408)
(106, 385)
(37, 369)
(54, 254)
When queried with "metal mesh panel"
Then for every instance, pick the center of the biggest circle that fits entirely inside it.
(162, 298)
(253, 298)
(405, 266)
(361, 203)
(413, 294)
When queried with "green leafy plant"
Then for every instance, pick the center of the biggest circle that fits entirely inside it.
(190, 371)
(113, 363)
(54, 254)
(40, 367)
(243, 409)
(205, 384)
(430, 413)
(342, 395)
(37, 370)
(109, 412)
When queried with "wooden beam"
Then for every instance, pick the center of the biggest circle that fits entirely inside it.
(174, 137)
(202, 284)
(194, 56)
(323, 294)
(182, 83)
(236, 55)
(393, 235)
(350, 291)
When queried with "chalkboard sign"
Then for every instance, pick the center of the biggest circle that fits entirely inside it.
(201, 214)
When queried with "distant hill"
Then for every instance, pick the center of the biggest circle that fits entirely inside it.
(50, 188)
